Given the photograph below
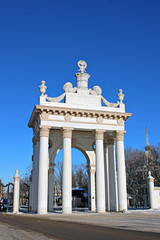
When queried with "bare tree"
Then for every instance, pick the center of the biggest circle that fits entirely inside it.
(79, 176)
(138, 163)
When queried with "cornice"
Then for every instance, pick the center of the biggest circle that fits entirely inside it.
(43, 112)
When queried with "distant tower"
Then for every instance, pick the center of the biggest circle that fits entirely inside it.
(148, 150)
(143, 169)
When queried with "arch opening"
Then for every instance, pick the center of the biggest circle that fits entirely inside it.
(80, 179)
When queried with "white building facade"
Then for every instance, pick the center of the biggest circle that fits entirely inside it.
(81, 122)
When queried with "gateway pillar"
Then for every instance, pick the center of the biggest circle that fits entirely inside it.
(43, 171)
(121, 172)
(67, 172)
(100, 182)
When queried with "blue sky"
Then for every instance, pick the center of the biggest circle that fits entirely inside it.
(43, 40)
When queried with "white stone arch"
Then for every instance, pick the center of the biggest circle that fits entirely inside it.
(89, 154)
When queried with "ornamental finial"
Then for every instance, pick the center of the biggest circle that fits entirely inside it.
(120, 95)
(42, 88)
(82, 66)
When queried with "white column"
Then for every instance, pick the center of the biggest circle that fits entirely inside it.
(121, 172)
(100, 181)
(43, 171)
(112, 173)
(150, 181)
(50, 186)
(37, 173)
(16, 193)
(106, 165)
(32, 201)
(67, 172)
(89, 186)
(30, 196)
(92, 183)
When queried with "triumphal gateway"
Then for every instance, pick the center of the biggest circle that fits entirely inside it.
(80, 118)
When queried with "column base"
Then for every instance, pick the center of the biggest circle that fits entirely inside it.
(42, 211)
(67, 211)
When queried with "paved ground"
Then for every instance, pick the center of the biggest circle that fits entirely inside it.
(24, 227)
(9, 232)
(148, 221)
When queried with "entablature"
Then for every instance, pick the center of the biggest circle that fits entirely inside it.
(45, 113)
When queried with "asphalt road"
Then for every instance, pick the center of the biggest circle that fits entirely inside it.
(72, 231)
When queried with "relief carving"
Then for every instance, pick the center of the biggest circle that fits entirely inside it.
(99, 119)
(120, 121)
(68, 117)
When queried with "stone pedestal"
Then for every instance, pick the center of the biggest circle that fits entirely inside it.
(16, 193)
(100, 171)
(67, 172)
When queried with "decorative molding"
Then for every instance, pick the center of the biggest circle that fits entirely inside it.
(44, 131)
(120, 135)
(99, 120)
(68, 87)
(120, 121)
(67, 132)
(75, 113)
(56, 99)
(99, 134)
(108, 104)
(44, 116)
(68, 117)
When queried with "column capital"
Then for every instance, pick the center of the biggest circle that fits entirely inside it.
(99, 134)
(120, 135)
(44, 131)
(67, 132)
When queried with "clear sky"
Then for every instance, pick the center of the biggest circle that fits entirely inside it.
(44, 39)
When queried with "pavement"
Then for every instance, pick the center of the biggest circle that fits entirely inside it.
(144, 220)
(79, 225)
(8, 232)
